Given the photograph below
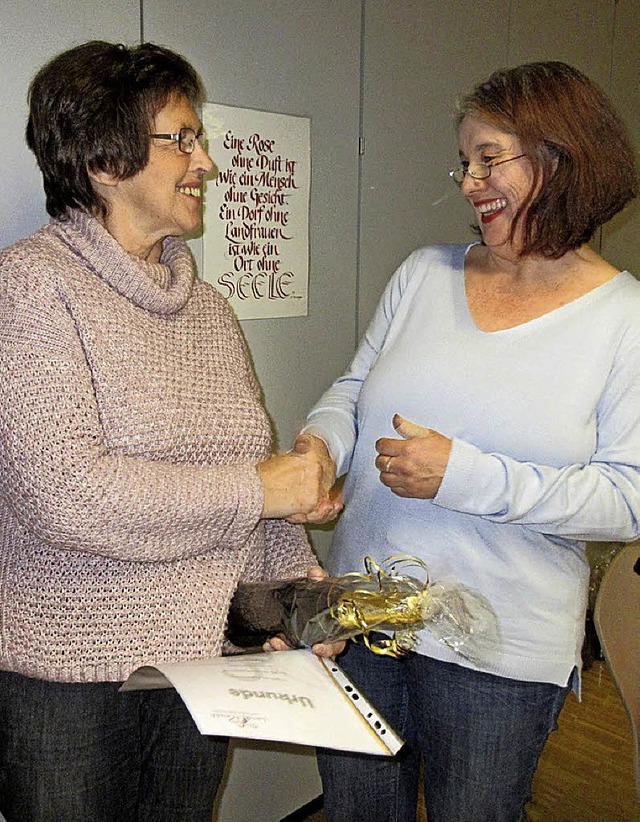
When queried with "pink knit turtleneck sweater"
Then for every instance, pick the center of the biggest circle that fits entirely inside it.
(130, 425)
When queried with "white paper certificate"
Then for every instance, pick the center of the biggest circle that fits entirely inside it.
(289, 696)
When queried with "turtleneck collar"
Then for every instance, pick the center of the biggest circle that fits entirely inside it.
(163, 287)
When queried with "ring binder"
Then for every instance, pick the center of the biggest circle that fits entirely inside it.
(369, 714)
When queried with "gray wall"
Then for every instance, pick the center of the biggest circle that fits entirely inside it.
(28, 37)
(387, 70)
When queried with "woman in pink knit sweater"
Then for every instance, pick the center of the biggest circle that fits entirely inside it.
(136, 482)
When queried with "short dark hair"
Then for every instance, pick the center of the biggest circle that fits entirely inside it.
(92, 107)
(582, 155)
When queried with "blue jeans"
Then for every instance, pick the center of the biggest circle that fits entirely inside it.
(479, 737)
(76, 752)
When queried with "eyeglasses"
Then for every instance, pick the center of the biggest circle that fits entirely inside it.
(186, 139)
(479, 171)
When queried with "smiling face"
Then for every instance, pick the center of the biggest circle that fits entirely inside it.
(165, 198)
(497, 199)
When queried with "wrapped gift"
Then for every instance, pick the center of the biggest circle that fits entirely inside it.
(382, 599)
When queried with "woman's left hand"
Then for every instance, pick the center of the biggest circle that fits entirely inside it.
(413, 466)
(329, 650)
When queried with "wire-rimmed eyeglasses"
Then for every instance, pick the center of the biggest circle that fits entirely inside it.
(186, 139)
(479, 171)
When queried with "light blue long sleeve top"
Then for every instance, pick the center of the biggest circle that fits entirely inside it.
(545, 423)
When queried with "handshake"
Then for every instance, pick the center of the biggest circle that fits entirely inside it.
(299, 485)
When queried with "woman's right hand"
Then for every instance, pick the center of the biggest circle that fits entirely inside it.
(291, 483)
(330, 502)
(297, 485)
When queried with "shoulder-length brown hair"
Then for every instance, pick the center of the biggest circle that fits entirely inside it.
(582, 157)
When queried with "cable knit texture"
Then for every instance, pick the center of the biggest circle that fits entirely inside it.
(130, 426)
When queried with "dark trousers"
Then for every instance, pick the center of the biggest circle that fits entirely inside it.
(76, 752)
(478, 736)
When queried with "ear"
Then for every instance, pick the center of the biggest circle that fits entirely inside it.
(102, 178)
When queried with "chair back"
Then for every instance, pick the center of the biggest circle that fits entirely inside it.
(617, 621)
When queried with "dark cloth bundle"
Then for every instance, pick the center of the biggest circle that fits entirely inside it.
(260, 610)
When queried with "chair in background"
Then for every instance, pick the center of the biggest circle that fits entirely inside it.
(617, 621)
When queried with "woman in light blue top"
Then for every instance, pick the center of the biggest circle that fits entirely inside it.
(490, 424)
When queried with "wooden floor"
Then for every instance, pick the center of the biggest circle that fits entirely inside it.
(586, 773)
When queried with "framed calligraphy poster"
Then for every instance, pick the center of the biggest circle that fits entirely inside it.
(256, 215)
